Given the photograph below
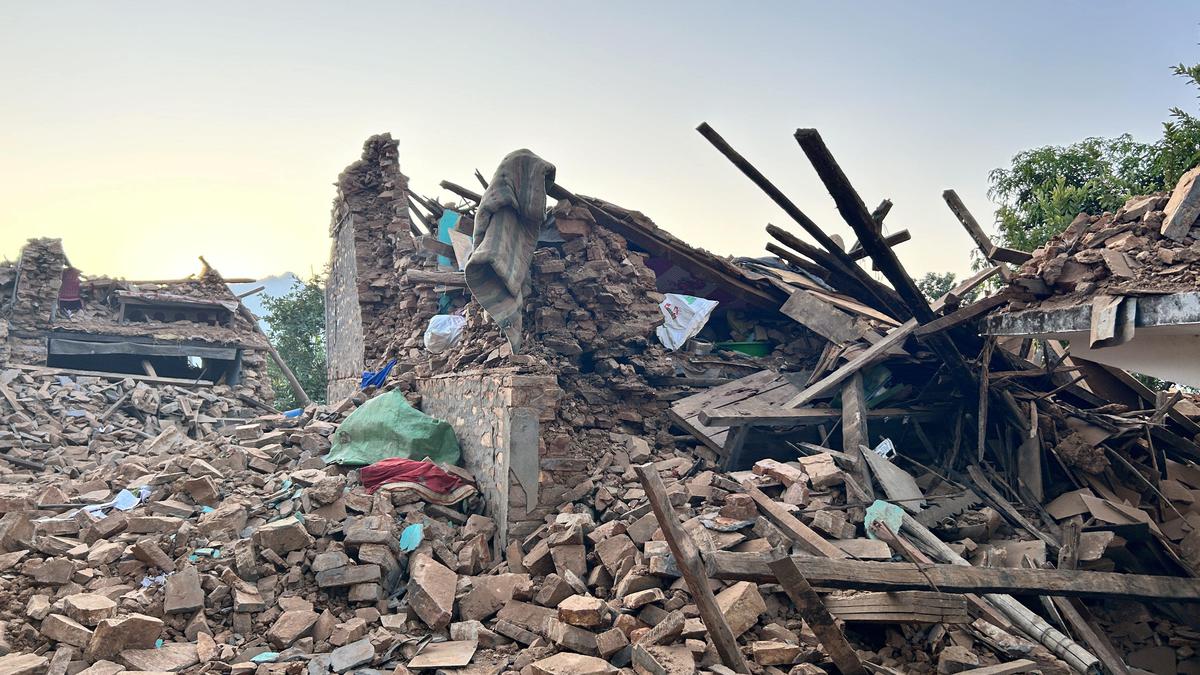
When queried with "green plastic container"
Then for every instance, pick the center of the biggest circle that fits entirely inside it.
(752, 348)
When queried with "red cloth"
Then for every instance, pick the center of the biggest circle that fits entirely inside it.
(399, 469)
(70, 285)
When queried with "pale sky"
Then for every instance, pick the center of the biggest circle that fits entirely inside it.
(145, 134)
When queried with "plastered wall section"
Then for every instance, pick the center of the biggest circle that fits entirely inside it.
(343, 315)
(497, 416)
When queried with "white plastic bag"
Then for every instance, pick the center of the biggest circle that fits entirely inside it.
(443, 332)
(684, 316)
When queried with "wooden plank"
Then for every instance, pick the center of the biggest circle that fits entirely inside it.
(1011, 668)
(904, 576)
(45, 370)
(765, 387)
(900, 607)
(820, 317)
(857, 307)
(757, 414)
(1009, 255)
(463, 246)
(431, 277)
(962, 315)
(687, 557)
(791, 526)
(432, 244)
(897, 484)
(814, 613)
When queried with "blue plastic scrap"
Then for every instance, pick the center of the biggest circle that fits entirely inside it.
(411, 537)
(371, 378)
(887, 513)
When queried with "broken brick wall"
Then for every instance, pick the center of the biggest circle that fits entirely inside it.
(343, 316)
(371, 231)
(590, 312)
(38, 280)
(497, 416)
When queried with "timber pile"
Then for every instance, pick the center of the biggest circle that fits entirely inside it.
(1149, 246)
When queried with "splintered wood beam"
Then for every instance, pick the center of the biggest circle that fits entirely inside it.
(790, 525)
(962, 315)
(433, 245)
(818, 256)
(986, 247)
(838, 274)
(816, 616)
(429, 224)
(866, 357)
(1009, 255)
(881, 212)
(430, 277)
(429, 205)
(851, 206)
(763, 415)
(998, 502)
(857, 253)
(793, 211)
(812, 268)
(469, 195)
(856, 215)
(903, 576)
(687, 557)
(482, 181)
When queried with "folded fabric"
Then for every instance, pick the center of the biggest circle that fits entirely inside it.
(401, 470)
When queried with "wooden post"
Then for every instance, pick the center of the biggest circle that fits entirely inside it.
(283, 366)
(818, 618)
(854, 430)
(687, 557)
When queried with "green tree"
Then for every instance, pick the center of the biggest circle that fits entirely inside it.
(296, 327)
(1043, 189)
(934, 285)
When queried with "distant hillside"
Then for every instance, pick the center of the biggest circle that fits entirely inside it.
(275, 286)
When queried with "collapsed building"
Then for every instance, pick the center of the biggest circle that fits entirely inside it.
(800, 469)
(177, 331)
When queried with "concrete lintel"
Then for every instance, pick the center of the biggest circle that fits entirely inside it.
(1175, 309)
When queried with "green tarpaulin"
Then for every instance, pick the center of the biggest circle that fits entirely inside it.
(387, 426)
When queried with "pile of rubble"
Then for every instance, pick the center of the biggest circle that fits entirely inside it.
(1149, 246)
(696, 511)
(246, 552)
